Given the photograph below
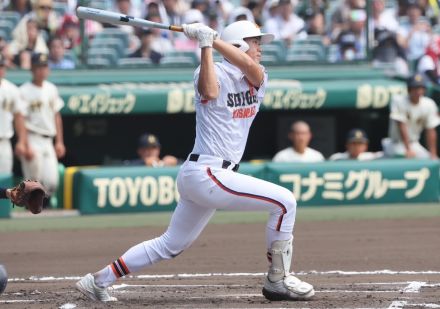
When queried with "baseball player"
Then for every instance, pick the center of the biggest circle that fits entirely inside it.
(227, 98)
(409, 116)
(10, 111)
(44, 125)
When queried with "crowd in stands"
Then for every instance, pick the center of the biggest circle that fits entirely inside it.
(402, 33)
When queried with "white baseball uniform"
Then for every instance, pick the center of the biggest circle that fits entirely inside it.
(41, 106)
(10, 104)
(290, 155)
(207, 180)
(417, 117)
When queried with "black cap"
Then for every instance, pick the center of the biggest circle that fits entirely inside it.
(357, 136)
(415, 81)
(2, 59)
(148, 140)
(39, 59)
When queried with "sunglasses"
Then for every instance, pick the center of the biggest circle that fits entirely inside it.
(45, 7)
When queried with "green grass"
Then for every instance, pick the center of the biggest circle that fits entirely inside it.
(342, 213)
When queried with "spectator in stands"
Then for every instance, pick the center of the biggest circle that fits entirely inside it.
(46, 18)
(149, 153)
(70, 34)
(57, 58)
(160, 44)
(428, 65)
(183, 43)
(352, 42)
(20, 6)
(270, 9)
(300, 137)
(342, 16)
(171, 12)
(356, 148)
(409, 116)
(313, 6)
(22, 47)
(145, 50)
(286, 26)
(315, 25)
(414, 36)
(388, 52)
(382, 18)
(125, 7)
(256, 8)
(240, 13)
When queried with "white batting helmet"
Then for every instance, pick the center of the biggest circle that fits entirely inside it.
(236, 32)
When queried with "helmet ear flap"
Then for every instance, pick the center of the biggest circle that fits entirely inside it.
(242, 45)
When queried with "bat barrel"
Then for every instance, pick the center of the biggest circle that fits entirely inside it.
(120, 19)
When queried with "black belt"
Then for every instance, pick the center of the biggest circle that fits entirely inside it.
(195, 157)
(42, 135)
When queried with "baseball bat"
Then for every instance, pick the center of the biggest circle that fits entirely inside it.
(113, 18)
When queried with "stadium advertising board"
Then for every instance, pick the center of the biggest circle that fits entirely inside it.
(171, 98)
(138, 189)
(5, 205)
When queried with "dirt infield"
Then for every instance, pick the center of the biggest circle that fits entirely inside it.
(344, 260)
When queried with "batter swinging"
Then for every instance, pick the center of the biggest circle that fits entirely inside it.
(228, 96)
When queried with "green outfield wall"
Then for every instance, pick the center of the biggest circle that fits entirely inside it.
(5, 205)
(139, 189)
(172, 98)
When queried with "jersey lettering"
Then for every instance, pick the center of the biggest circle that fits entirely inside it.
(241, 99)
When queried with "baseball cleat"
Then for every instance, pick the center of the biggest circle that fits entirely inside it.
(88, 287)
(289, 288)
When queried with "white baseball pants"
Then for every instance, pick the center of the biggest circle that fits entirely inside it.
(204, 187)
(6, 156)
(44, 166)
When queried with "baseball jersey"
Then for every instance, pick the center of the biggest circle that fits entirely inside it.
(290, 155)
(365, 156)
(417, 117)
(222, 124)
(41, 105)
(10, 104)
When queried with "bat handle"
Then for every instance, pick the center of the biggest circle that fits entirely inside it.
(176, 28)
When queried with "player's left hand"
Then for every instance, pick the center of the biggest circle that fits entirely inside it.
(60, 150)
(190, 30)
(206, 36)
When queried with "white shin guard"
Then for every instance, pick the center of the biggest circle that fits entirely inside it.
(280, 284)
(281, 256)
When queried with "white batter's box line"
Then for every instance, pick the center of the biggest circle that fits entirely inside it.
(207, 275)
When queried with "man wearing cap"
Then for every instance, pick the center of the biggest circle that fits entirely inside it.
(356, 148)
(149, 153)
(409, 116)
(11, 111)
(44, 125)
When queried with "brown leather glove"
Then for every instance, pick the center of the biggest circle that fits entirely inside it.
(29, 194)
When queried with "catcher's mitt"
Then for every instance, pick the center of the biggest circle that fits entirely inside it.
(29, 194)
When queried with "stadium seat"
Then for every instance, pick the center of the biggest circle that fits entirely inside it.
(60, 8)
(133, 63)
(298, 58)
(306, 49)
(107, 54)
(177, 58)
(97, 63)
(114, 43)
(113, 33)
(274, 50)
(100, 4)
(267, 59)
(6, 26)
(12, 16)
